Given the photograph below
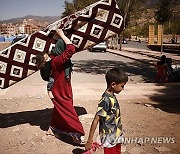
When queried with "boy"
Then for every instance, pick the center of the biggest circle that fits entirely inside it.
(108, 114)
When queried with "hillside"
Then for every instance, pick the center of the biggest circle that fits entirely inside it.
(150, 3)
(43, 19)
(146, 16)
(153, 3)
(51, 19)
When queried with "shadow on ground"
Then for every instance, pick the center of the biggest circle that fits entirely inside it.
(101, 66)
(162, 97)
(68, 139)
(167, 99)
(38, 118)
(78, 151)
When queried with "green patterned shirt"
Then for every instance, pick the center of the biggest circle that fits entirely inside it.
(110, 127)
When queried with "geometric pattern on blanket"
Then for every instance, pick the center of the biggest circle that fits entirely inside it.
(85, 28)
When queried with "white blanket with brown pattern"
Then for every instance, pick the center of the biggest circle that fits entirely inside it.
(85, 28)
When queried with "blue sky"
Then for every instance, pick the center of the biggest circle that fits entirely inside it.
(20, 8)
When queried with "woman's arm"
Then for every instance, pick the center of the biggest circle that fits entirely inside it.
(64, 37)
(58, 61)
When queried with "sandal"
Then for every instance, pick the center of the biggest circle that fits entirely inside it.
(77, 138)
(52, 133)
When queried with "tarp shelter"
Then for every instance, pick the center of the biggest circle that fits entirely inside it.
(10, 39)
(2, 39)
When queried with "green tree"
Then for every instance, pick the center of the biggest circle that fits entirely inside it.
(131, 9)
(76, 5)
(174, 23)
(164, 12)
(162, 15)
(69, 9)
(80, 4)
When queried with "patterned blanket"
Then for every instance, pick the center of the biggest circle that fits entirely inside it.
(85, 28)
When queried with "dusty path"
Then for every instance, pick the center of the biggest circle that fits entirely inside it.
(24, 118)
(24, 121)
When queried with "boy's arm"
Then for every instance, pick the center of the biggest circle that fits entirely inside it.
(50, 94)
(88, 145)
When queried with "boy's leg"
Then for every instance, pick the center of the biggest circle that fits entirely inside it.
(118, 149)
(110, 150)
(50, 95)
(114, 150)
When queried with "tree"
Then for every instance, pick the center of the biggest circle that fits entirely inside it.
(69, 9)
(162, 15)
(130, 9)
(80, 4)
(76, 5)
(164, 12)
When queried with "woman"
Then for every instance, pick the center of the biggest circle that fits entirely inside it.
(162, 69)
(64, 118)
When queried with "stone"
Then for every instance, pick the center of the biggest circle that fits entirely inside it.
(17, 128)
(135, 150)
(39, 97)
(22, 142)
(148, 105)
(44, 138)
(162, 149)
(87, 116)
(159, 109)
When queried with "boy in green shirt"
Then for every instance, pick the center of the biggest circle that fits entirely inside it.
(108, 114)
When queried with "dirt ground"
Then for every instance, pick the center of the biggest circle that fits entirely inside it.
(4, 45)
(152, 128)
(24, 122)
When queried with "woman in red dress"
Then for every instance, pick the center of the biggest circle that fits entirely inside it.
(64, 117)
(162, 69)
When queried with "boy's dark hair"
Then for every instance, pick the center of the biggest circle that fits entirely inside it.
(40, 60)
(44, 67)
(115, 75)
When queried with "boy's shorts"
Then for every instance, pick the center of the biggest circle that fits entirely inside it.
(113, 150)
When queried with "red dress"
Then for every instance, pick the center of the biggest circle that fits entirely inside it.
(161, 73)
(64, 117)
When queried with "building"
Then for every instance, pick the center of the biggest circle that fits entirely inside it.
(25, 27)
(3, 29)
(8, 29)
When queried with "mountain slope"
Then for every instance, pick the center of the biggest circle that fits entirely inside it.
(49, 19)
